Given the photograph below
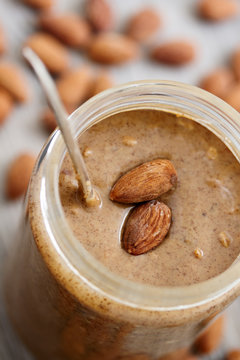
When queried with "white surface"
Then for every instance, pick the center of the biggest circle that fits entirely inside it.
(23, 131)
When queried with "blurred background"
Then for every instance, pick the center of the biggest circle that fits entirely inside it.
(207, 56)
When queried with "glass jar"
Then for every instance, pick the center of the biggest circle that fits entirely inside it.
(63, 302)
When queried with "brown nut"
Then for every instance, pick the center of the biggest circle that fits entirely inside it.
(13, 81)
(18, 175)
(217, 10)
(146, 227)
(6, 105)
(218, 82)
(102, 82)
(50, 50)
(233, 355)
(143, 25)
(99, 15)
(233, 97)
(49, 119)
(236, 63)
(210, 339)
(39, 4)
(174, 53)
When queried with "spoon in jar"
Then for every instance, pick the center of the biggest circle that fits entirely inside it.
(91, 197)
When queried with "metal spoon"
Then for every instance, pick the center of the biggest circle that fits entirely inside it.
(90, 195)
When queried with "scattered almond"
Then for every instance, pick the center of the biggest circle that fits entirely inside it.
(225, 239)
(217, 10)
(49, 119)
(99, 14)
(236, 63)
(112, 48)
(146, 227)
(210, 339)
(218, 82)
(198, 253)
(181, 354)
(74, 85)
(6, 105)
(145, 182)
(69, 28)
(18, 175)
(2, 41)
(174, 53)
(102, 82)
(129, 140)
(233, 97)
(143, 25)
(233, 355)
(12, 80)
(39, 4)
(50, 50)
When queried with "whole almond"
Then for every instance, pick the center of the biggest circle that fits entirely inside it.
(143, 25)
(217, 10)
(12, 80)
(74, 86)
(69, 28)
(39, 4)
(145, 182)
(99, 14)
(18, 175)
(210, 339)
(233, 97)
(111, 48)
(146, 227)
(6, 105)
(236, 63)
(49, 119)
(174, 53)
(50, 50)
(180, 354)
(218, 82)
(102, 82)
(233, 355)
(2, 41)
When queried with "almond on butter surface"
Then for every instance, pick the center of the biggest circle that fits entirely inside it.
(218, 82)
(39, 4)
(217, 10)
(99, 14)
(233, 355)
(233, 97)
(112, 48)
(174, 53)
(210, 339)
(6, 105)
(236, 63)
(74, 86)
(146, 227)
(18, 175)
(2, 41)
(69, 28)
(13, 81)
(50, 50)
(102, 82)
(143, 25)
(145, 182)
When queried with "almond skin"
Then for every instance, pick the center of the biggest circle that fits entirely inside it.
(6, 105)
(18, 175)
(102, 82)
(174, 53)
(111, 48)
(233, 355)
(236, 63)
(217, 10)
(218, 82)
(233, 97)
(143, 25)
(210, 339)
(50, 50)
(39, 4)
(146, 227)
(145, 182)
(99, 15)
(13, 81)
(71, 29)
(74, 86)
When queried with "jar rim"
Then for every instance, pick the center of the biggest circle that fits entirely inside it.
(202, 107)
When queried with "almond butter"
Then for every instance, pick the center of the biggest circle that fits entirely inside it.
(233, 355)
(143, 25)
(39, 4)
(50, 50)
(112, 48)
(6, 105)
(2, 41)
(236, 63)
(146, 227)
(71, 29)
(102, 82)
(74, 86)
(210, 339)
(145, 182)
(13, 81)
(218, 82)
(100, 15)
(217, 10)
(233, 97)
(49, 119)
(174, 53)
(18, 175)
